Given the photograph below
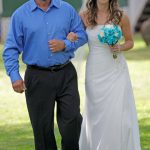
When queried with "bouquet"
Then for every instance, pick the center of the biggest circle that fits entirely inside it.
(110, 34)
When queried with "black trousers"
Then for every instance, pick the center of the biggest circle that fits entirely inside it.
(44, 88)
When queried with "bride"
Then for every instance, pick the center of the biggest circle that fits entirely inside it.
(109, 119)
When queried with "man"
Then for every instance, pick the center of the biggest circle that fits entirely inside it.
(38, 30)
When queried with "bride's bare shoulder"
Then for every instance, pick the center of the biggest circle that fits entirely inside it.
(84, 18)
(124, 20)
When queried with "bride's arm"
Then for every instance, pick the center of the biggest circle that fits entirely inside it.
(83, 16)
(127, 33)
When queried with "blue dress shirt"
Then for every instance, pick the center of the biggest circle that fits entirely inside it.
(30, 30)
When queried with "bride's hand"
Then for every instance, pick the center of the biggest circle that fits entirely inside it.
(115, 48)
(72, 37)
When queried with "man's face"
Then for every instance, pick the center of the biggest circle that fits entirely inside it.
(43, 0)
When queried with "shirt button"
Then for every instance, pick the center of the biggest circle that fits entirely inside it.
(48, 33)
(51, 54)
(47, 23)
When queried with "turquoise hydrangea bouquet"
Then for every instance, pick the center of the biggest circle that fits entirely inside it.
(110, 34)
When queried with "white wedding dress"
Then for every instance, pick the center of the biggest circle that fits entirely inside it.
(109, 119)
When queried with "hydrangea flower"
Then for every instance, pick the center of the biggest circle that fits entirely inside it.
(110, 34)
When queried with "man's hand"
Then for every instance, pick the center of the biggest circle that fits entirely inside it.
(19, 86)
(56, 45)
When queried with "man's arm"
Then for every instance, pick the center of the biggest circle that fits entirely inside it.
(78, 28)
(13, 47)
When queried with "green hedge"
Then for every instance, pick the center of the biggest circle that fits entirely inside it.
(76, 3)
(123, 2)
(10, 5)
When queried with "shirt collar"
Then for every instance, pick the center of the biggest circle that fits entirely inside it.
(33, 5)
(56, 3)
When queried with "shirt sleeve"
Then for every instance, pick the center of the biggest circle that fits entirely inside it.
(13, 47)
(77, 27)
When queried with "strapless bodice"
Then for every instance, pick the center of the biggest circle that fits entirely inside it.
(93, 41)
(100, 53)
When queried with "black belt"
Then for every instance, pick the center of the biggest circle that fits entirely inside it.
(51, 68)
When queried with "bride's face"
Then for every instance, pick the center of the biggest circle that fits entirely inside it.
(103, 1)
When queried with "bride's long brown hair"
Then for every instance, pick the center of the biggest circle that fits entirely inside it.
(114, 10)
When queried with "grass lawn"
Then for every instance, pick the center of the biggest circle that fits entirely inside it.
(15, 128)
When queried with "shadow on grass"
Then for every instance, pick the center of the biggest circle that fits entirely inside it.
(138, 54)
(19, 137)
(145, 133)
